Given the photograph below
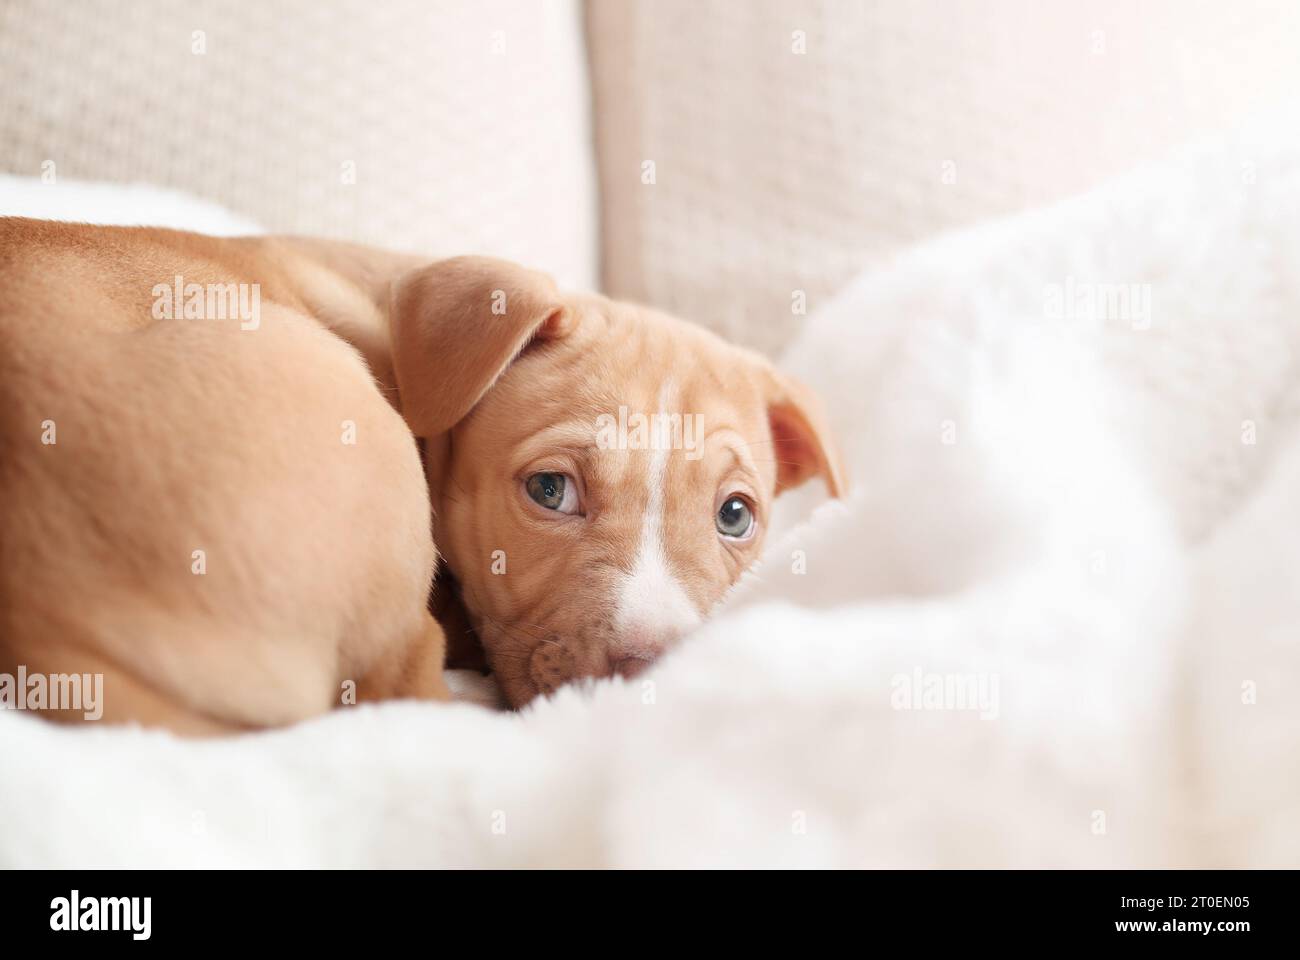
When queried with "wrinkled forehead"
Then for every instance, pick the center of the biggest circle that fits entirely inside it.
(630, 384)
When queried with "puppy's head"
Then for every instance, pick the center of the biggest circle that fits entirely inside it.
(600, 473)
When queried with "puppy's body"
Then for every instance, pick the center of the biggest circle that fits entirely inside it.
(233, 524)
(198, 531)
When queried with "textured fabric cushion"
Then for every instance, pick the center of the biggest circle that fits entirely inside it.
(464, 126)
(778, 171)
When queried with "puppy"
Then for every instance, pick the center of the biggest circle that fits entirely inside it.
(229, 517)
(611, 486)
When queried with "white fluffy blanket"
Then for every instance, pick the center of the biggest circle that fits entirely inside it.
(1056, 623)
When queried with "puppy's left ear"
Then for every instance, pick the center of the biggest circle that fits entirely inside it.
(456, 325)
(801, 438)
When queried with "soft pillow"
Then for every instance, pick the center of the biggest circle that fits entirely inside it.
(435, 127)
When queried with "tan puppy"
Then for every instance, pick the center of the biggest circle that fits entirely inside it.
(229, 520)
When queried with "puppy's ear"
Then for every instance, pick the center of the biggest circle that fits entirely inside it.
(456, 325)
(801, 438)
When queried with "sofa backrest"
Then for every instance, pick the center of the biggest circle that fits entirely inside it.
(795, 142)
(433, 126)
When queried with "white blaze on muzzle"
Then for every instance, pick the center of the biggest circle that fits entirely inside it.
(652, 609)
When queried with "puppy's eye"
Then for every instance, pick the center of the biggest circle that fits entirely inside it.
(734, 519)
(554, 491)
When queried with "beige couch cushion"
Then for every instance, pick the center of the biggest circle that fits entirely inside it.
(467, 125)
(778, 171)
